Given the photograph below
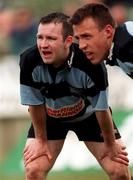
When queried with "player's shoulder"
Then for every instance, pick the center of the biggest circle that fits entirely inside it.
(79, 60)
(129, 27)
(30, 56)
(123, 41)
(125, 30)
(30, 52)
(78, 53)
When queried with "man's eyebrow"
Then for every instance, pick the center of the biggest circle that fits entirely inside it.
(76, 37)
(38, 34)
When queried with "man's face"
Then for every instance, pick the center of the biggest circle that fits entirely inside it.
(93, 41)
(50, 43)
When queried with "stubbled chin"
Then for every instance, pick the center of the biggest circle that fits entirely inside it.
(47, 61)
(93, 61)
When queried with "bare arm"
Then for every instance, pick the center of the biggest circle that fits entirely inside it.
(39, 145)
(112, 149)
(105, 121)
(38, 116)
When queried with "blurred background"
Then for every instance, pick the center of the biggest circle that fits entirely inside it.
(18, 27)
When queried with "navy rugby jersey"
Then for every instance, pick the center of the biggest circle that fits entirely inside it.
(71, 92)
(122, 52)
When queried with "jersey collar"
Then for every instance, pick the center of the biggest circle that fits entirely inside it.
(111, 52)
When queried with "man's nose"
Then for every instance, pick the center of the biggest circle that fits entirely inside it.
(82, 45)
(44, 43)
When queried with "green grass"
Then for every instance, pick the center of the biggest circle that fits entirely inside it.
(67, 175)
(81, 175)
(11, 178)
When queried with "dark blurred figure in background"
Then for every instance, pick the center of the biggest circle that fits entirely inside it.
(24, 32)
(126, 2)
(6, 26)
(118, 9)
(70, 7)
(91, 1)
(119, 13)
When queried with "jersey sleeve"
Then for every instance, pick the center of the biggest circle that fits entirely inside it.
(100, 101)
(122, 54)
(123, 42)
(29, 91)
(99, 98)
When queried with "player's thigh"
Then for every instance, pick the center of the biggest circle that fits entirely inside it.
(42, 163)
(97, 149)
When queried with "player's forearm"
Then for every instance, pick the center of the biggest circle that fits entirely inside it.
(106, 125)
(38, 116)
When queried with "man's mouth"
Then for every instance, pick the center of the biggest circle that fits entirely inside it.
(46, 54)
(89, 55)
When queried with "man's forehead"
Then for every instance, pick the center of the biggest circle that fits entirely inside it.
(51, 24)
(84, 30)
(50, 27)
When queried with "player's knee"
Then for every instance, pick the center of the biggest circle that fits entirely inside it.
(120, 173)
(34, 171)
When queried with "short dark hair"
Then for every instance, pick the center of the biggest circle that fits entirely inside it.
(97, 11)
(58, 17)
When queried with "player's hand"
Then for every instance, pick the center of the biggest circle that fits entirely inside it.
(117, 152)
(34, 149)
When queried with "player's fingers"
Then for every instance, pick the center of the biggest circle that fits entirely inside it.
(124, 153)
(49, 156)
(27, 160)
(124, 158)
(121, 160)
(123, 147)
(25, 149)
(26, 153)
(27, 156)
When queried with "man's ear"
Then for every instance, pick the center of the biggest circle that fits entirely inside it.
(68, 41)
(109, 31)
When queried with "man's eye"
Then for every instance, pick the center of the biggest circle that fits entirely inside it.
(86, 36)
(51, 38)
(76, 38)
(39, 37)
